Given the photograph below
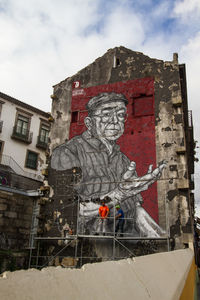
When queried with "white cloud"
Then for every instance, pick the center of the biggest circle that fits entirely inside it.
(42, 42)
(160, 10)
(38, 40)
(186, 7)
(124, 26)
(190, 54)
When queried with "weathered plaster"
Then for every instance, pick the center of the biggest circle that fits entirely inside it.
(170, 135)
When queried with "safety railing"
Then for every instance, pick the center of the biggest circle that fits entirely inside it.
(10, 162)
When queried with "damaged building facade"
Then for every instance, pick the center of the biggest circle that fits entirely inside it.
(121, 131)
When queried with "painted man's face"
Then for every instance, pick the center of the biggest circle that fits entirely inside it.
(108, 120)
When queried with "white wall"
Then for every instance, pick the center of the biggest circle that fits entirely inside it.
(15, 148)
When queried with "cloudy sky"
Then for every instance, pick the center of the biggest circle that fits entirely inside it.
(44, 41)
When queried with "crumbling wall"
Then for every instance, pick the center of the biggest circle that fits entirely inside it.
(121, 64)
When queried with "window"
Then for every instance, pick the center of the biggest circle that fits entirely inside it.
(31, 160)
(1, 149)
(21, 130)
(22, 125)
(1, 122)
(74, 117)
(43, 135)
(116, 62)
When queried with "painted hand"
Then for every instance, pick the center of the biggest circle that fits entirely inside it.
(132, 184)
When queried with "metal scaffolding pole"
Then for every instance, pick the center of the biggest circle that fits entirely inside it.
(38, 251)
(77, 230)
(52, 258)
(124, 246)
(72, 237)
(114, 226)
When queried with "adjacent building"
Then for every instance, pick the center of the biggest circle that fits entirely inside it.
(24, 131)
(24, 135)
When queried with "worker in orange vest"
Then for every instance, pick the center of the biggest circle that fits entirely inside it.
(103, 215)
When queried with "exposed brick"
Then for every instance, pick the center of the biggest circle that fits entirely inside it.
(27, 217)
(24, 231)
(29, 210)
(20, 201)
(18, 223)
(26, 224)
(11, 229)
(6, 222)
(11, 214)
(3, 206)
(2, 200)
(18, 208)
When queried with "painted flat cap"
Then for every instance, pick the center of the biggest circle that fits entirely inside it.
(105, 98)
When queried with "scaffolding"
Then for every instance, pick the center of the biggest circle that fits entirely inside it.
(121, 245)
(72, 249)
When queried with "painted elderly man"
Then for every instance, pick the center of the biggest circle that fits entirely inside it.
(106, 171)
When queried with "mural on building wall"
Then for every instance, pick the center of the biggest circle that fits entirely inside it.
(112, 134)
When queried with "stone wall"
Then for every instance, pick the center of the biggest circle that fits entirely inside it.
(15, 225)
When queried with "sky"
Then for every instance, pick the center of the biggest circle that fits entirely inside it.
(42, 42)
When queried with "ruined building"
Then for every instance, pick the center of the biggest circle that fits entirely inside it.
(121, 129)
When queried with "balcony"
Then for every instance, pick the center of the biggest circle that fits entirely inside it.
(22, 135)
(8, 161)
(41, 144)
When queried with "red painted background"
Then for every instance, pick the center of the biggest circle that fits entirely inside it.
(138, 140)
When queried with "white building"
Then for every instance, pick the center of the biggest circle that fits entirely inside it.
(24, 131)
